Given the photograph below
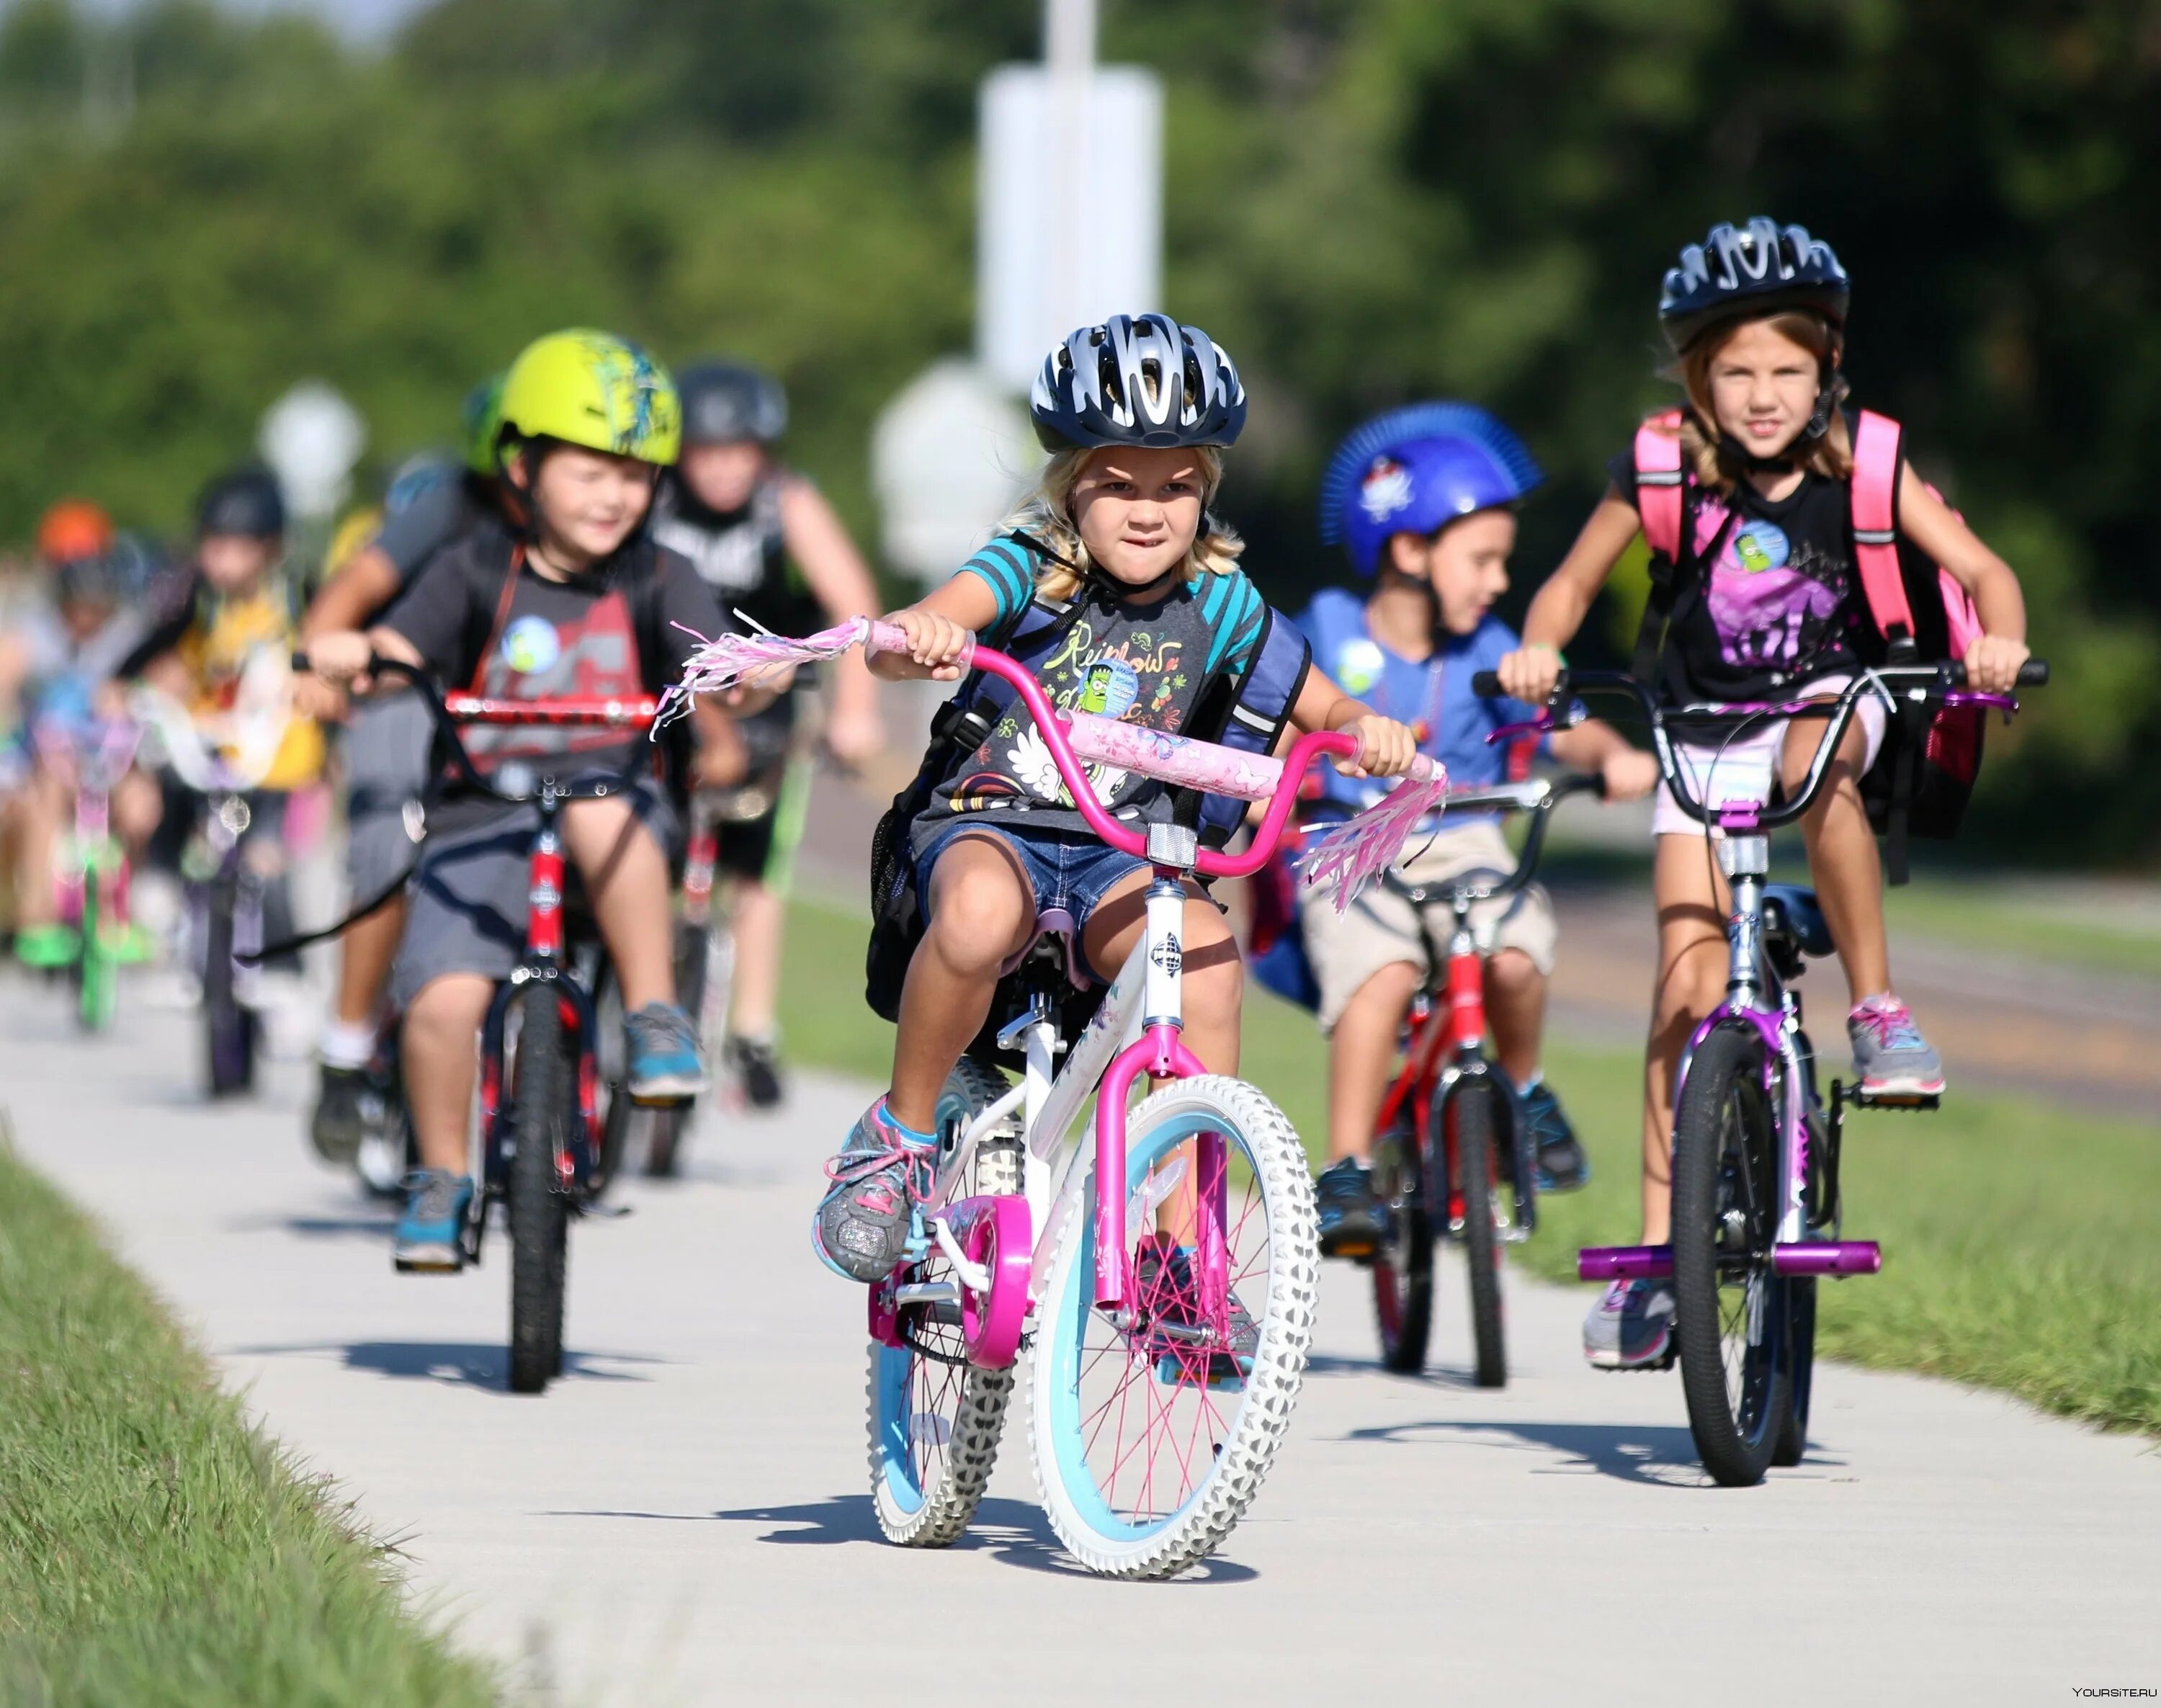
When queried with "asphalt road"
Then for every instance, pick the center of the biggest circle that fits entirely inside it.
(683, 1517)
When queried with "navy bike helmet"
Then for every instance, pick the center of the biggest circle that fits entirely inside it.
(1138, 379)
(725, 402)
(1414, 470)
(1760, 269)
(246, 502)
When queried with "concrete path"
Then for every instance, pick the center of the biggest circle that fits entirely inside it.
(683, 1519)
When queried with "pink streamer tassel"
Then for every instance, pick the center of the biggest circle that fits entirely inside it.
(734, 660)
(1350, 855)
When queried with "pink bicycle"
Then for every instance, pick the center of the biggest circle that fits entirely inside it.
(1169, 1317)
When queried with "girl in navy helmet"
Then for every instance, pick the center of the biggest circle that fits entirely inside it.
(1762, 597)
(1422, 499)
(1123, 595)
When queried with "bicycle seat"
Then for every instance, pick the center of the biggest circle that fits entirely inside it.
(1054, 925)
(1791, 909)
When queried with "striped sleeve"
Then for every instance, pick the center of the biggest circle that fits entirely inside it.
(1235, 612)
(1010, 572)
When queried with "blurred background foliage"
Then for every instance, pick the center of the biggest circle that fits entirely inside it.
(1369, 201)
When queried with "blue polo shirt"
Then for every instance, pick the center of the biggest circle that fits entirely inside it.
(1432, 694)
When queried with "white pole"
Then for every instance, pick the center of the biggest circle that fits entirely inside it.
(1069, 43)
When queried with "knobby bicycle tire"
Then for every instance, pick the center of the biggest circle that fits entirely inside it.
(539, 1211)
(1730, 1309)
(1469, 1104)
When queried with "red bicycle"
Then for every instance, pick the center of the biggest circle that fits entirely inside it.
(1451, 1158)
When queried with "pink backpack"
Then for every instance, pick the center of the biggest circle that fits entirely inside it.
(1921, 781)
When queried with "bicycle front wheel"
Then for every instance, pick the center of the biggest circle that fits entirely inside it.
(1468, 1111)
(93, 971)
(228, 1024)
(540, 1209)
(1731, 1311)
(1152, 1435)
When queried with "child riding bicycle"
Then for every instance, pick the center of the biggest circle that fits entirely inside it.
(1147, 617)
(1765, 602)
(1424, 498)
(579, 603)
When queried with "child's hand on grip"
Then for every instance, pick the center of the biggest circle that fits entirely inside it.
(1386, 747)
(935, 643)
(1992, 662)
(1529, 673)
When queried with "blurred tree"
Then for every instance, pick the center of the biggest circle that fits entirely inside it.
(1369, 201)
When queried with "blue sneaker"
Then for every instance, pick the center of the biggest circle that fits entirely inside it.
(867, 1215)
(1562, 1165)
(1188, 1347)
(665, 1066)
(431, 1237)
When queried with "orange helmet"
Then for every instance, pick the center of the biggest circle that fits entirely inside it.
(72, 529)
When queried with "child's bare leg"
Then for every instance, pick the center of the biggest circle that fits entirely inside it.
(1691, 901)
(439, 1056)
(136, 807)
(1213, 983)
(1516, 1012)
(982, 911)
(366, 951)
(627, 881)
(1842, 857)
(41, 809)
(1362, 1053)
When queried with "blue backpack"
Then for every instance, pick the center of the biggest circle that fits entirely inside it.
(1246, 709)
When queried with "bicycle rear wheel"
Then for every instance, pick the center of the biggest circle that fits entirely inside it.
(1403, 1265)
(1468, 1111)
(936, 1419)
(1152, 1438)
(1731, 1311)
(539, 1209)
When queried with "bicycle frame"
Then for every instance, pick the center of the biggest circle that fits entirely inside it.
(1136, 1032)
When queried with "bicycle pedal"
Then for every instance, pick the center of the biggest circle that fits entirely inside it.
(1907, 1102)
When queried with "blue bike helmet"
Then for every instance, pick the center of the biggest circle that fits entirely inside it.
(1138, 379)
(1414, 470)
(1760, 269)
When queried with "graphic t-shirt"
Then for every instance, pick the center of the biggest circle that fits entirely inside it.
(1145, 663)
(1432, 694)
(1768, 599)
(547, 640)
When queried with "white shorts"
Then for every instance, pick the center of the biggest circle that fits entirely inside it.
(1746, 768)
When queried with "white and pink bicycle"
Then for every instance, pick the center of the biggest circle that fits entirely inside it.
(1168, 1317)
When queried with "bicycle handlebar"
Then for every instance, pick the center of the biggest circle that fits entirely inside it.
(1945, 681)
(449, 711)
(1178, 760)
(200, 765)
(1537, 798)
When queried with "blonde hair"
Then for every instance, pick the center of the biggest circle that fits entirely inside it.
(1702, 442)
(1047, 513)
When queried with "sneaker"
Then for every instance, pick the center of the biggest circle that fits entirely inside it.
(1350, 1214)
(1890, 1056)
(866, 1217)
(130, 945)
(348, 1108)
(1561, 1163)
(1163, 1277)
(1631, 1327)
(661, 1043)
(48, 947)
(430, 1236)
(756, 1069)
(381, 1165)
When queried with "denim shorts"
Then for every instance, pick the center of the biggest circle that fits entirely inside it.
(1072, 872)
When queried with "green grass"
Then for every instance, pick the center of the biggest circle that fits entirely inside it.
(2022, 1242)
(155, 1550)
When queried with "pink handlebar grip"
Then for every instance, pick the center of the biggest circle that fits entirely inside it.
(892, 638)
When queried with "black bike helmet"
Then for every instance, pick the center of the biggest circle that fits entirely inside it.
(1760, 269)
(1138, 379)
(246, 501)
(725, 402)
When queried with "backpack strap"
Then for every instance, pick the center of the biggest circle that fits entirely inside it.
(1255, 705)
(1874, 497)
(1662, 507)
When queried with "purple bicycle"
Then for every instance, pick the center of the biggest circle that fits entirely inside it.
(1755, 1207)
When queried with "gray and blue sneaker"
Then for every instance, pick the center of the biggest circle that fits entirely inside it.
(1631, 1327)
(1890, 1056)
(1562, 1165)
(662, 1044)
(430, 1236)
(1350, 1214)
(866, 1217)
(1169, 1300)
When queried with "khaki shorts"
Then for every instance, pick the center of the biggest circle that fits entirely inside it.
(1381, 927)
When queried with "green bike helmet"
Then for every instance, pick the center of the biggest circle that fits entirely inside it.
(483, 425)
(595, 390)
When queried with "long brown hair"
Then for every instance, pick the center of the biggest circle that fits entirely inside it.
(1832, 455)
